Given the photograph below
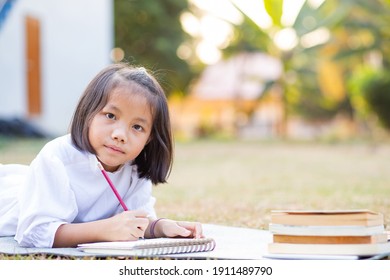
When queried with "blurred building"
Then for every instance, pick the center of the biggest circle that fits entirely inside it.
(49, 51)
(228, 99)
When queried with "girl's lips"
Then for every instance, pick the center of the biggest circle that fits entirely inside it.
(115, 149)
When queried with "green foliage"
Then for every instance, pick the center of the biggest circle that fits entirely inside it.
(300, 87)
(274, 9)
(359, 80)
(377, 94)
(364, 51)
(366, 25)
(326, 15)
(150, 32)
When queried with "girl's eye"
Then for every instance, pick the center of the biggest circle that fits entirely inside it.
(110, 116)
(138, 127)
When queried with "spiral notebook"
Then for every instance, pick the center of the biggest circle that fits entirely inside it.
(150, 247)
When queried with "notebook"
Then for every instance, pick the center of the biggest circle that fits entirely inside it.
(150, 247)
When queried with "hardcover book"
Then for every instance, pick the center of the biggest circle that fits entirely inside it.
(327, 218)
(307, 239)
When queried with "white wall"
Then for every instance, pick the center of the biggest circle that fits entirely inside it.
(76, 40)
(12, 68)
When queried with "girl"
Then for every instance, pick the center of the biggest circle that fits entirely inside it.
(121, 122)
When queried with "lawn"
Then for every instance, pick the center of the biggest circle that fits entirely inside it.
(237, 183)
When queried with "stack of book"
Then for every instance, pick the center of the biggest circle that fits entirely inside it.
(359, 233)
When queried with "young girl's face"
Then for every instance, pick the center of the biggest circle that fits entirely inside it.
(120, 131)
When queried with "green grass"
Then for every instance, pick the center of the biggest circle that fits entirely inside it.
(237, 183)
(19, 150)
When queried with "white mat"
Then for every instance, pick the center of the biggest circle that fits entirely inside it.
(231, 243)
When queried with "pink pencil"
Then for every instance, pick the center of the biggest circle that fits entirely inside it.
(112, 186)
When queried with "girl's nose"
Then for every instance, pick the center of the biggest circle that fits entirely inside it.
(119, 134)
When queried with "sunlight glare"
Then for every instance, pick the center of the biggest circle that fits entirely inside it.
(286, 39)
(190, 24)
(255, 10)
(208, 52)
(315, 3)
(184, 52)
(290, 11)
(215, 31)
(222, 9)
(316, 37)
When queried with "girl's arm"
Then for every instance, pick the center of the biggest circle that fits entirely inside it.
(128, 225)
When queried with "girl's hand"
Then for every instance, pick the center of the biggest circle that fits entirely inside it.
(126, 226)
(170, 228)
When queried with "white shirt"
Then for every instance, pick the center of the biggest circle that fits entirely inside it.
(63, 185)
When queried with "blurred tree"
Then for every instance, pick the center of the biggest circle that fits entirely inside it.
(308, 66)
(364, 52)
(333, 40)
(377, 94)
(366, 31)
(149, 33)
(320, 78)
